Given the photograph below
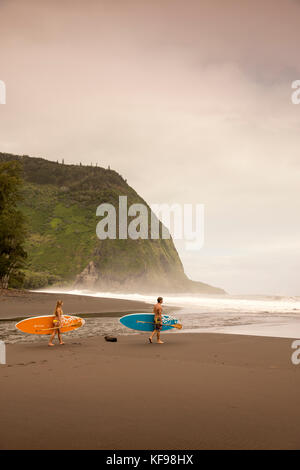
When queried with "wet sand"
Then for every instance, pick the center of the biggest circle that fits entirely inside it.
(21, 304)
(196, 391)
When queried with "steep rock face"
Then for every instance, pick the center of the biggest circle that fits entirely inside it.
(89, 276)
(60, 203)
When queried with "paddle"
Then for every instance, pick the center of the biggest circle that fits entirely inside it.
(175, 325)
(62, 326)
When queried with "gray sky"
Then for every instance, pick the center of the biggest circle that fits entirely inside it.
(188, 100)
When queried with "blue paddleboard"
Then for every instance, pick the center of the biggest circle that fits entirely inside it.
(145, 321)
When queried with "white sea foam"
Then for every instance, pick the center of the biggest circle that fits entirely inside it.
(255, 304)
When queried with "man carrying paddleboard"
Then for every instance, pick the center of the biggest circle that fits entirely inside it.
(157, 310)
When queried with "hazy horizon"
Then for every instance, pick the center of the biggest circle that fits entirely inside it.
(189, 104)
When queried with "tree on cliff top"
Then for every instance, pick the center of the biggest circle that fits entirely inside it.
(12, 225)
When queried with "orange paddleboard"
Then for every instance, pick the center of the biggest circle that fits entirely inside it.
(44, 325)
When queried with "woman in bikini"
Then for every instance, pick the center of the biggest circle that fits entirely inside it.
(57, 322)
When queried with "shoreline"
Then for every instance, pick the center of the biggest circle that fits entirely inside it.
(16, 305)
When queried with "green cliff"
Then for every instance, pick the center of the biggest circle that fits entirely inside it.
(60, 203)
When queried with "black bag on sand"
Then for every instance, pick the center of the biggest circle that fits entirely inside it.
(112, 339)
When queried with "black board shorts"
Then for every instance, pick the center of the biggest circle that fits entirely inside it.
(157, 325)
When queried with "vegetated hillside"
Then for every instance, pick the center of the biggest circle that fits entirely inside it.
(60, 203)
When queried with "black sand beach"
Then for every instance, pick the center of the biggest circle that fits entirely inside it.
(196, 391)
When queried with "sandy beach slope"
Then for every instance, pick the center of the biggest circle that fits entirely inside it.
(19, 304)
(197, 391)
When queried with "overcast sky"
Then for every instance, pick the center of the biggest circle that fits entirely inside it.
(189, 100)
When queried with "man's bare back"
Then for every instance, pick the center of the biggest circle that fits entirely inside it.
(157, 310)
